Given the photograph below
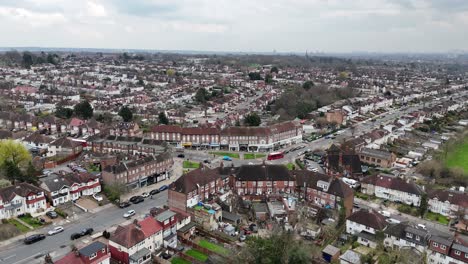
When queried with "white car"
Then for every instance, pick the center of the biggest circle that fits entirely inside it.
(97, 197)
(145, 195)
(56, 230)
(129, 214)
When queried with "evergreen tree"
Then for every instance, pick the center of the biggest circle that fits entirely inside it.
(83, 110)
(126, 113)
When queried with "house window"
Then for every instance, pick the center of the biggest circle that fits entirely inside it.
(417, 238)
(93, 255)
(457, 252)
(443, 247)
(409, 235)
(434, 244)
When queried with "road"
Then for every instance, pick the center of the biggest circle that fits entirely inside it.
(58, 245)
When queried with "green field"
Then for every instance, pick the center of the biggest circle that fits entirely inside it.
(197, 255)
(19, 225)
(229, 154)
(253, 156)
(437, 218)
(190, 164)
(213, 247)
(178, 260)
(459, 157)
(34, 222)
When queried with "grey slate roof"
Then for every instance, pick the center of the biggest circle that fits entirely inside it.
(92, 248)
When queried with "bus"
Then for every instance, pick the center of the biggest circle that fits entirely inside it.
(275, 155)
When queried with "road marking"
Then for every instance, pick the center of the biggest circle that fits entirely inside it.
(9, 257)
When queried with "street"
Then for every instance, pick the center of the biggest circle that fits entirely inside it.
(59, 244)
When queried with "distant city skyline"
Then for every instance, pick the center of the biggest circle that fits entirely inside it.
(328, 26)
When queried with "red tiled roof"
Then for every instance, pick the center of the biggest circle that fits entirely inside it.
(150, 226)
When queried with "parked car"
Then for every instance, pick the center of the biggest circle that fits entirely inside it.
(227, 158)
(124, 204)
(34, 238)
(137, 200)
(155, 191)
(181, 156)
(84, 232)
(52, 214)
(56, 230)
(163, 188)
(145, 195)
(206, 161)
(129, 214)
(97, 197)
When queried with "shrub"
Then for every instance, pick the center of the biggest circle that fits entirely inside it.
(61, 213)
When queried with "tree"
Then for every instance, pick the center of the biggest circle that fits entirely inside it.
(63, 112)
(307, 85)
(105, 117)
(255, 76)
(202, 96)
(423, 205)
(163, 118)
(14, 153)
(252, 119)
(342, 214)
(28, 60)
(274, 69)
(114, 191)
(268, 78)
(83, 110)
(126, 113)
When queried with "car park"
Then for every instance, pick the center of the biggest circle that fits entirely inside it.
(124, 204)
(55, 230)
(84, 232)
(129, 214)
(34, 238)
(52, 214)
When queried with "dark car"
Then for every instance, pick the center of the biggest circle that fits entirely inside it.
(52, 214)
(181, 156)
(206, 161)
(84, 232)
(137, 199)
(134, 198)
(124, 204)
(163, 188)
(153, 192)
(34, 238)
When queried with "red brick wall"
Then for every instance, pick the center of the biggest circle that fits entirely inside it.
(177, 200)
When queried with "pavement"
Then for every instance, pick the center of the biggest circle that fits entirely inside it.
(14, 251)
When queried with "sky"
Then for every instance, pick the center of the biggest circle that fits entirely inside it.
(238, 25)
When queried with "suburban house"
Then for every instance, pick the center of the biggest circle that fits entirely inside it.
(94, 253)
(138, 173)
(21, 198)
(392, 188)
(448, 203)
(63, 147)
(377, 157)
(169, 222)
(125, 129)
(134, 243)
(70, 187)
(403, 235)
(323, 190)
(365, 224)
(196, 186)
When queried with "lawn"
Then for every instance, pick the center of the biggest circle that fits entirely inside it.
(459, 156)
(253, 156)
(190, 164)
(34, 222)
(290, 166)
(178, 260)
(197, 255)
(437, 217)
(406, 209)
(229, 154)
(18, 225)
(213, 247)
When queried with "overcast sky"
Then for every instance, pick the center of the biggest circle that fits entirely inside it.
(238, 25)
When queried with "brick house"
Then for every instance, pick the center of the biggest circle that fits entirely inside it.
(140, 172)
(448, 203)
(63, 147)
(365, 224)
(125, 129)
(342, 162)
(134, 243)
(127, 145)
(377, 157)
(263, 179)
(94, 253)
(21, 198)
(323, 190)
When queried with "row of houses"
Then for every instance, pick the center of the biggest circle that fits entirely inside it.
(439, 247)
(250, 181)
(232, 138)
(25, 198)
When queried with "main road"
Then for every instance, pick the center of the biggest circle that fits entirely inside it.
(59, 244)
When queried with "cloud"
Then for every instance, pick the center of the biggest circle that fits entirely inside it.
(23, 17)
(96, 10)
